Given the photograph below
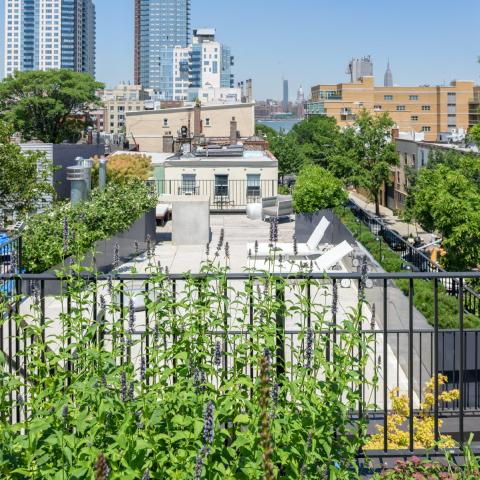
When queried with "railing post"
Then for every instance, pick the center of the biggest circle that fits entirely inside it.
(462, 362)
(410, 364)
(435, 361)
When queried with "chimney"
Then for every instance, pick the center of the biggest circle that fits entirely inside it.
(233, 131)
(395, 133)
(197, 120)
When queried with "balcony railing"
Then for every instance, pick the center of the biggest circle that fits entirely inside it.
(420, 261)
(401, 357)
(233, 196)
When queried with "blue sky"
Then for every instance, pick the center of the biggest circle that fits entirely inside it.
(311, 41)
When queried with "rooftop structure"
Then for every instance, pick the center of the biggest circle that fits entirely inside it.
(166, 129)
(431, 110)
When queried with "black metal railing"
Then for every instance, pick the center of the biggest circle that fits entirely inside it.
(420, 261)
(401, 357)
(234, 195)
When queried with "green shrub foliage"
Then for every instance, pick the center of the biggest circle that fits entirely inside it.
(176, 398)
(317, 189)
(109, 212)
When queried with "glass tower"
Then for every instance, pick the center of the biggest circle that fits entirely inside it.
(49, 34)
(160, 26)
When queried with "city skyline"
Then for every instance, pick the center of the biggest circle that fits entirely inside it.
(418, 44)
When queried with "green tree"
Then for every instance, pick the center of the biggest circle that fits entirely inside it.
(445, 200)
(24, 177)
(375, 153)
(286, 150)
(317, 138)
(474, 134)
(51, 106)
(316, 189)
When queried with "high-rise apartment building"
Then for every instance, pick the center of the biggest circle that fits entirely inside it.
(360, 67)
(431, 110)
(160, 26)
(49, 34)
(285, 96)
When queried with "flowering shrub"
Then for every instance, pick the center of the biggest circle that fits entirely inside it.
(446, 469)
(109, 212)
(423, 425)
(169, 394)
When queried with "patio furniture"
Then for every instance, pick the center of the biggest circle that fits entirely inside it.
(311, 248)
(277, 207)
(254, 211)
(333, 256)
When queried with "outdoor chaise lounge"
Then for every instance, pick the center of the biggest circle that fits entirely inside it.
(311, 248)
(330, 258)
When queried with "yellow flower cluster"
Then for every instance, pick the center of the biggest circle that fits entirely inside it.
(423, 425)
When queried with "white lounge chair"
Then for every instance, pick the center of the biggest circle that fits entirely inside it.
(332, 257)
(325, 263)
(311, 248)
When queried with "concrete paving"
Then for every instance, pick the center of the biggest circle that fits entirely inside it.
(393, 221)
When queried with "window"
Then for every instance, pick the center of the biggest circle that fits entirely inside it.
(221, 185)
(388, 98)
(400, 108)
(414, 118)
(426, 129)
(377, 107)
(207, 122)
(253, 186)
(413, 98)
(165, 122)
(426, 108)
(189, 184)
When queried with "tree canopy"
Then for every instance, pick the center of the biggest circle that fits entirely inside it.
(374, 152)
(51, 106)
(317, 189)
(445, 197)
(25, 177)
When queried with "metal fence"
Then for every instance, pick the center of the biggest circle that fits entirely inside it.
(225, 195)
(420, 261)
(405, 358)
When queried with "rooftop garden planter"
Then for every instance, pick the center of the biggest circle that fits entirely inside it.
(121, 215)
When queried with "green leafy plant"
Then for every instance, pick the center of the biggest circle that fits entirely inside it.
(24, 177)
(106, 214)
(172, 394)
(51, 106)
(316, 189)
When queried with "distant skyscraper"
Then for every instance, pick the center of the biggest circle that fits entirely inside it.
(360, 67)
(160, 26)
(285, 96)
(49, 34)
(388, 80)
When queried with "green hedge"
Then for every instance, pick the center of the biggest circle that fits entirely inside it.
(317, 189)
(448, 309)
(108, 213)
